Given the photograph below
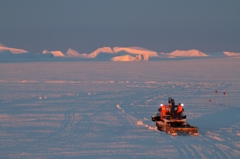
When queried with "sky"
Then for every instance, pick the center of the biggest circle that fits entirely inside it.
(85, 25)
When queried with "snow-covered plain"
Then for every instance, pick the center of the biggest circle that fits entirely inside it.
(103, 109)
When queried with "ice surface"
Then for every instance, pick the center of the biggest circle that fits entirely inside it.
(104, 109)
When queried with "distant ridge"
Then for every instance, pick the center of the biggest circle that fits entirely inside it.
(136, 50)
(97, 52)
(193, 52)
(4, 48)
(72, 53)
(134, 53)
(55, 53)
(231, 53)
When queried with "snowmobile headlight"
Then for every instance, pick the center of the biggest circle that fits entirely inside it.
(161, 105)
(182, 104)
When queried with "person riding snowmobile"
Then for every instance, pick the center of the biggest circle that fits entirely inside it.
(180, 110)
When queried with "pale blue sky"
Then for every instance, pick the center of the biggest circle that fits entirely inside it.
(85, 25)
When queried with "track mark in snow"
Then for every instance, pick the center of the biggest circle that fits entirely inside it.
(214, 136)
(68, 125)
(199, 150)
(237, 144)
(192, 147)
(191, 151)
(119, 116)
(184, 152)
(140, 123)
(119, 107)
(225, 149)
(124, 118)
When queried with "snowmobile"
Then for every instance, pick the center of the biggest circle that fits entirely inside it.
(173, 123)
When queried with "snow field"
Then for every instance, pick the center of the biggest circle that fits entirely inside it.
(104, 109)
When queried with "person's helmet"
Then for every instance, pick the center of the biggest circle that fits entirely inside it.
(182, 104)
(161, 105)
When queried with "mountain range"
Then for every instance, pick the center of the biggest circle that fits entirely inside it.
(103, 54)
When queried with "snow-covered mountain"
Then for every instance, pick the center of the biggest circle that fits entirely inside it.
(11, 50)
(105, 54)
(72, 53)
(124, 58)
(54, 53)
(94, 54)
(182, 53)
(135, 50)
(116, 54)
(8, 54)
(233, 54)
(130, 58)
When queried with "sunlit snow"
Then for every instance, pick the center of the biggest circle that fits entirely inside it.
(4, 48)
(55, 53)
(187, 53)
(232, 54)
(8, 54)
(103, 109)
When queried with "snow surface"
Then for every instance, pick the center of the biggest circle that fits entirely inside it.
(104, 109)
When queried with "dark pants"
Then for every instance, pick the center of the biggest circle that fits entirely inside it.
(173, 113)
(179, 115)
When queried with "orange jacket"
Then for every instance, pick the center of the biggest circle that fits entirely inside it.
(164, 110)
(179, 109)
